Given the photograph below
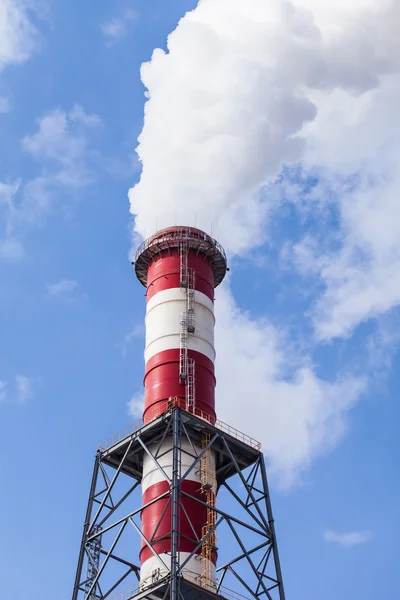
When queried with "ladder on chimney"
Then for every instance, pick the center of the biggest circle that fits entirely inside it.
(208, 487)
(187, 326)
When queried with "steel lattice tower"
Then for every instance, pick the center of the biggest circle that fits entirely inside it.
(189, 489)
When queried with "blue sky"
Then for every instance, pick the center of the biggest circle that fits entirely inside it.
(310, 311)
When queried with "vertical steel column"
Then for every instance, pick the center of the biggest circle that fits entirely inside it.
(175, 503)
(86, 526)
(272, 527)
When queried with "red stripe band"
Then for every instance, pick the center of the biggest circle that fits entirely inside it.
(153, 518)
(164, 273)
(162, 382)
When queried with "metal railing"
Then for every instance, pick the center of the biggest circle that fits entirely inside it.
(120, 435)
(224, 427)
(176, 234)
(161, 574)
(239, 435)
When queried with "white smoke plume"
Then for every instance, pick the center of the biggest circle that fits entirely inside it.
(227, 104)
(267, 391)
(245, 87)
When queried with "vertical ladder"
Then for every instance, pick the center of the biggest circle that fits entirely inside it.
(187, 326)
(184, 255)
(190, 385)
(191, 281)
(208, 487)
(93, 548)
(183, 354)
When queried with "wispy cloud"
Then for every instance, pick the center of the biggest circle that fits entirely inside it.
(18, 35)
(18, 390)
(59, 139)
(7, 192)
(5, 105)
(18, 40)
(137, 332)
(67, 291)
(78, 115)
(63, 288)
(135, 405)
(24, 388)
(349, 539)
(3, 391)
(10, 247)
(61, 146)
(118, 27)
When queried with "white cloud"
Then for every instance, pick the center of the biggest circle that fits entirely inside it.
(24, 388)
(3, 391)
(10, 247)
(61, 145)
(352, 538)
(55, 140)
(135, 405)
(119, 27)
(137, 331)
(66, 288)
(266, 390)
(18, 36)
(5, 105)
(359, 144)
(7, 193)
(19, 391)
(79, 115)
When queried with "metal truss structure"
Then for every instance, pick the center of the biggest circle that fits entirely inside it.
(244, 525)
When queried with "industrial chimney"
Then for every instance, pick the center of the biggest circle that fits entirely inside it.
(180, 267)
(180, 455)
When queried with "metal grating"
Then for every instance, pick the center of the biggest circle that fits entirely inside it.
(171, 238)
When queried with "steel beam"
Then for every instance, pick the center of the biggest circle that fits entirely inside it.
(253, 504)
(89, 508)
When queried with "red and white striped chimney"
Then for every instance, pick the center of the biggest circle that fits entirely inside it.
(180, 267)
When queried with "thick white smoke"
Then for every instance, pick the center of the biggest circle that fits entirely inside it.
(228, 101)
(245, 87)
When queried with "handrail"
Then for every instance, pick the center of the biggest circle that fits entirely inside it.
(176, 234)
(120, 435)
(171, 237)
(160, 574)
(224, 427)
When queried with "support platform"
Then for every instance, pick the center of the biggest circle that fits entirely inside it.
(245, 449)
(248, 561)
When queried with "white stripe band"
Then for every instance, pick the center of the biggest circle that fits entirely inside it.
(178, 294)
(152, 474)
(153, 568)
(163, 318)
